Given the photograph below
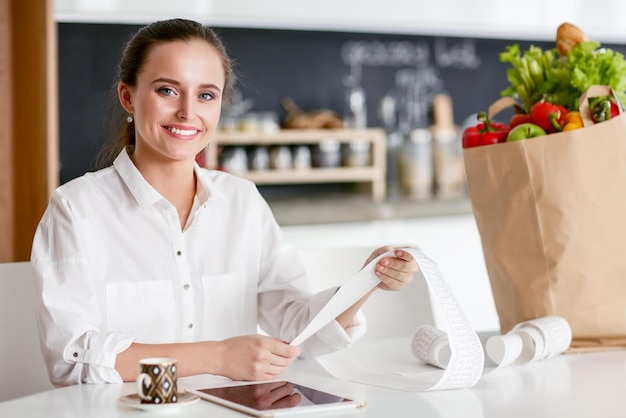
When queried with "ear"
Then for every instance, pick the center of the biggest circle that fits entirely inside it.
(125, 96)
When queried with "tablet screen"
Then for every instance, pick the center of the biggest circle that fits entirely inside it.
(275, 396)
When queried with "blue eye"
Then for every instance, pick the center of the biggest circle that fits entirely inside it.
(166, 91)
(206, 96)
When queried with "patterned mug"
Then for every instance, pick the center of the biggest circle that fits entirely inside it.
(156, 383)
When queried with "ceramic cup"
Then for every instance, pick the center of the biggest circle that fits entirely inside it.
(156, 383)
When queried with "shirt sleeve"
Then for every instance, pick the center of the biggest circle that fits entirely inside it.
(332, 337)
(69, 314)
(286, 300)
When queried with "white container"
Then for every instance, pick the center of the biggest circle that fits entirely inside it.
(302, 157)
(280, 158)
(416, 165)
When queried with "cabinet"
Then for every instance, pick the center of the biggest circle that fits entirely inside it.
(373, 174)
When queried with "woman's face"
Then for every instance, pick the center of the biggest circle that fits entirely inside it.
(177, 101)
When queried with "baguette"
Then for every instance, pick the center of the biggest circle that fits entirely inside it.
(567, 37)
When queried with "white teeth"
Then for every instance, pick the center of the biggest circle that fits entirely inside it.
(182, 131)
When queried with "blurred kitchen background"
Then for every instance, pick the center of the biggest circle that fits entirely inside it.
(401, 77)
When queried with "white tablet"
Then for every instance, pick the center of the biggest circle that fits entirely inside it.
(275, 399)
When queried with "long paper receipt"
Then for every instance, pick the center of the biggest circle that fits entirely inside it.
(466, 361)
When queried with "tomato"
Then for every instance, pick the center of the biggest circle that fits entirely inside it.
(518, 119)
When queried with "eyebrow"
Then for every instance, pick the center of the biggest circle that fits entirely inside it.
(172, 81)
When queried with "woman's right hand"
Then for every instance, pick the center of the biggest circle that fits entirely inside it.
(255, 357)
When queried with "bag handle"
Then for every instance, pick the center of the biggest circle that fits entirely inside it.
(593, 91)
(499, 105)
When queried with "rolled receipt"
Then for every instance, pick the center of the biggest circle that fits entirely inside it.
(529, 341)
(430, 345)
(466, 359)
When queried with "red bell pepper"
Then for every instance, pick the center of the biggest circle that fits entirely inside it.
(549, 116)
(485, 132)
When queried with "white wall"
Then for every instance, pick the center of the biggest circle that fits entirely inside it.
(531, 19)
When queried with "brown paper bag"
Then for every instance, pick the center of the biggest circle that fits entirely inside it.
(551, 213)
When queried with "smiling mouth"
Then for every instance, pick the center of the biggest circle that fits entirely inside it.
(183, 132)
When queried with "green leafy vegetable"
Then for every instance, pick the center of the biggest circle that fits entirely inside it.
(589, 64)
(538, 74)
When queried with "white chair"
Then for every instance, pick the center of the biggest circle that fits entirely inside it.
(22, 368)
(389, 314)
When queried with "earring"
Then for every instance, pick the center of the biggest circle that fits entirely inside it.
(129, 119)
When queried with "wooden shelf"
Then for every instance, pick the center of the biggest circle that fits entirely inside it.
(313, 175)
(374, 173)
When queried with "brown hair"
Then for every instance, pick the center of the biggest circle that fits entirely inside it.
(134, 57)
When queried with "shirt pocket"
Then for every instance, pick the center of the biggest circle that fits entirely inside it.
(228, 308)
(145, 309)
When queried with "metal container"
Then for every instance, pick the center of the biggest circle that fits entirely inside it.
(327, 153)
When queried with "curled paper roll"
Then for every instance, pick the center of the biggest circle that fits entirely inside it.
(462, 367)
(529, 341)
(430, 345)
(505, 349)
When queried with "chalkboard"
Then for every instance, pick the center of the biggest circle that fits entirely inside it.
(308, 66)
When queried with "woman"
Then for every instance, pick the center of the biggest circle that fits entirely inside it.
(154, 256)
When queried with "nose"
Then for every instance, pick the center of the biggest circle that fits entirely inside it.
(186, 107)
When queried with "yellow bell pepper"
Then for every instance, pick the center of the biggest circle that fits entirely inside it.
(573, 120)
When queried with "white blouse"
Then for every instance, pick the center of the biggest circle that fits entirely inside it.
(112, 267)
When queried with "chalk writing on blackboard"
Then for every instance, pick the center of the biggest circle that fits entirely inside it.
(460, 54)
(389, 54)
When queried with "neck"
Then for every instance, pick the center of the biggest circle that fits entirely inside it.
(175, 181)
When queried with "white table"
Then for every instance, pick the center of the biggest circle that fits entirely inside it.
(572, 385)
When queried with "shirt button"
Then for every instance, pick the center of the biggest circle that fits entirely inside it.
(190, 325)
(75, 355)
(178, 252)
(186, 287)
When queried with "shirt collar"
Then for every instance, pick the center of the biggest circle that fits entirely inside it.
(206, 187)
(146, 195)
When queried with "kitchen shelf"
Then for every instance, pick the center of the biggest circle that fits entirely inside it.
(375, 173)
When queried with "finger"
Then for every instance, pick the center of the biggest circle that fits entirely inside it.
(269, 399)
(394, 280)
(282, 391)
(270, 371)
(279, 361)
(399, 265)
(376, 253)
(391, 268)
(404, 255)
(288, 401)
(268, 387)
(283, 349)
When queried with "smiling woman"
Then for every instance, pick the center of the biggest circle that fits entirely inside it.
(141, 258)
(175, 103)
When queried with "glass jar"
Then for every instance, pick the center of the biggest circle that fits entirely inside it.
(416, 165)
(357, 153)
(448, 158)
(327, 153)
(259, 158)
(301, 157)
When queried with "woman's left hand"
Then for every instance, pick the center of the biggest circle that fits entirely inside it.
(395, 271)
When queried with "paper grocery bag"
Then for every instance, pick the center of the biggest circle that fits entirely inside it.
(551, 213)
